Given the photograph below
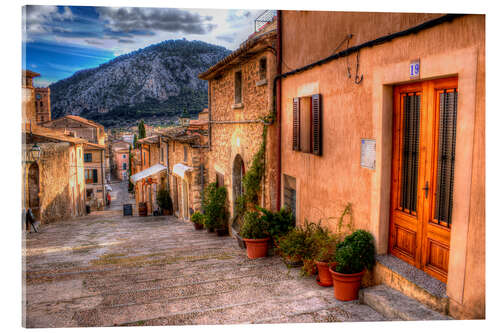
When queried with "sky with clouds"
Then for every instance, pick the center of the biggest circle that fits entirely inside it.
(60, 40)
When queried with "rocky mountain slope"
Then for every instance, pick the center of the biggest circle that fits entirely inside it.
(155, 83)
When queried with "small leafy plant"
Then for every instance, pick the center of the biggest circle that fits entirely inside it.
(163, 199)
(197, 218)
(214, 206)
(279, 223)
(355, 253)
(254, 227)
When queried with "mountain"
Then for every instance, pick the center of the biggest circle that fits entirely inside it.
(155, 84)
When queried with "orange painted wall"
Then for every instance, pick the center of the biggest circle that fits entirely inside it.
(350, 113)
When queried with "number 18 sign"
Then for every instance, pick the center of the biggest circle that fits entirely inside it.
(415, 69)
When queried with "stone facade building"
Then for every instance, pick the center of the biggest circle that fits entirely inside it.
(173, 160)
(240, 104)
(42, 105)
(95, 158)
(28, 99)
(120, 159)
(95, 175)
(392, 122)
(53, 185)
(186, 158)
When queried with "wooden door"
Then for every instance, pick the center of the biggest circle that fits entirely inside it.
(423, 174)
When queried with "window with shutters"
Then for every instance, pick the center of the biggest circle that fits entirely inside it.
(94, 176)
(87, 157)
(124, 166)
(185, 154)
(307, 134)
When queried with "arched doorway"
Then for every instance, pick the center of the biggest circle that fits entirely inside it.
(34, 190)
(238, 173)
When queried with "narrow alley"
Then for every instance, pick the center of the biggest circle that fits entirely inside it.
(110, 270)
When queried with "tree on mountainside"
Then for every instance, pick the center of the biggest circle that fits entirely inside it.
(135, 141)
(142, 129)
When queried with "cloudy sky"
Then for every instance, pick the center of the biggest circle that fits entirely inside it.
(60, 40)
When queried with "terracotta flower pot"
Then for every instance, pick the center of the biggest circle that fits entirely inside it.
(324, 275)
(198, 226)
(256, 248)
(346, 285)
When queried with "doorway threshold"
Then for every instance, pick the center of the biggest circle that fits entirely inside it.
(413, 274)
(412, 282)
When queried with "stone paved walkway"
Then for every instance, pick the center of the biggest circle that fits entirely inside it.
(107, 270)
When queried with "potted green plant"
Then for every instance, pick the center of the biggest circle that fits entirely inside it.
(214, 207)
(292, 247)
(325, 245)
(197, 219)
(164, 201)
(255, 234)
(353, 256)
(279, 223)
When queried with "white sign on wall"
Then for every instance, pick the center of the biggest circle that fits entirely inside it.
(368, 153)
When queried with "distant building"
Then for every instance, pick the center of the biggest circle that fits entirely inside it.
(42, 105)
(95, 158)
(120, 165)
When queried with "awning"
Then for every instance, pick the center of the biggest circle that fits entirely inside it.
(147, 172)
(180, 169)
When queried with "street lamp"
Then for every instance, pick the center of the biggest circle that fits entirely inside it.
(35, 152)
(33, 155)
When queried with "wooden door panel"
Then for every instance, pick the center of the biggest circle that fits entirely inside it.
(418, 234)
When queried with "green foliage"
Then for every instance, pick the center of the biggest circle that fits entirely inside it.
(130, 184)
(197, 218)
(214, 206)
(142, 129)
(355, 253)
(253, 177)
(135, 141)
(254, 227)
(293, 245)
(279, 223)
(163, 199)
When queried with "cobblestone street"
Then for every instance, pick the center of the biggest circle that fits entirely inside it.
(106, 270)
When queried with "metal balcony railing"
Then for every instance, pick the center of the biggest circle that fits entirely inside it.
(264, 18)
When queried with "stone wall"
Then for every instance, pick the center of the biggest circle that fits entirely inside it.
(62, 188)
(244, 139)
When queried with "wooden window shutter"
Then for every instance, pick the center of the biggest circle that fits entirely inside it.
(94, 175)
(316, 124)
(296, 124)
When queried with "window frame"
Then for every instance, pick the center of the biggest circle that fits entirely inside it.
(315, 127)
(85, 159)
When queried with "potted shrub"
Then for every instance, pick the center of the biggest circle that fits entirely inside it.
(255, 234)
(214, 207)
(353, 256)
(292, 247)
(279, 224)
(325, 245)
(164, 201)
(197, 219)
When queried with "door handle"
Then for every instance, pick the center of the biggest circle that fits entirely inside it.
(426, 189)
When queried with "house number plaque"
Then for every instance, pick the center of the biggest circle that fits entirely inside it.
(368, 153)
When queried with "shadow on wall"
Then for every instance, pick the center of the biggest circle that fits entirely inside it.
(59, 208)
